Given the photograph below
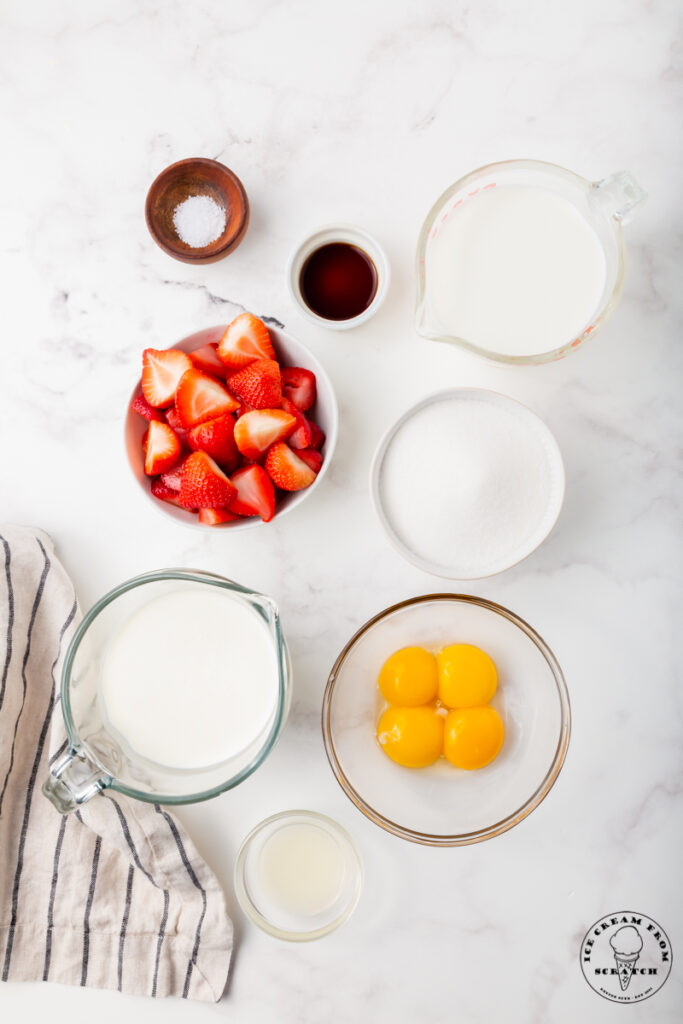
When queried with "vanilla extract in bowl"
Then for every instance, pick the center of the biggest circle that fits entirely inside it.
(338, 281)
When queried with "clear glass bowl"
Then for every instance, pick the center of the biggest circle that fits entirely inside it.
(605, 204)
(265, 906)
(97, 757)
(442, 805)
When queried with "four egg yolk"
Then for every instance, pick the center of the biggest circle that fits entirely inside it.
(414, 732)
(472, 736)
(412, 737)
(409, 678)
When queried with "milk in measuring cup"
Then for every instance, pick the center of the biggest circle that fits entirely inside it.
(516, 270)
(191, 678)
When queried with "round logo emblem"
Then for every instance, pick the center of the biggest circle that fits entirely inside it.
(626, 957)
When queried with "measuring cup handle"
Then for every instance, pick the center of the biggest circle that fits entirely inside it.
(73, 780)
(621, 193)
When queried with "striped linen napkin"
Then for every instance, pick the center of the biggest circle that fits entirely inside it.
(115, 895)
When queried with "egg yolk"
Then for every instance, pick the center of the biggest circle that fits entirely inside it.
(409, 677)
(472, 737)
(413, 737)
(467, 676)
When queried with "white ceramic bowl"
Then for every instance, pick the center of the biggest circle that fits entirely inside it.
(291, 353)
(538, 531)
(351, 236)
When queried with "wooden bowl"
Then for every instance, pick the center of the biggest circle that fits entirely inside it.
(196, 177)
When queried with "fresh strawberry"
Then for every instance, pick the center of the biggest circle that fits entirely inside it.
(258, 384)
(317, 435)
(174, 421)
(216, 438)
(216, 516)
(244, 408)
(200, 397)
(257, 430)
(301, 437)
(204, 484)
(161, 447)
(255, 493)
(299, 387)
(312, 458)
(245, 339)
(141, 406)
(164, 493)
(206, 359)
(173, 476)
(287, 470)
(161, 371)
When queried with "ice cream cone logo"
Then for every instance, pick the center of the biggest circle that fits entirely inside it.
(627, 944)
(626, 957)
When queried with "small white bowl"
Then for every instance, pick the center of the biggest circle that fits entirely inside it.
(554, 475)
(291, 353)
(351, 235)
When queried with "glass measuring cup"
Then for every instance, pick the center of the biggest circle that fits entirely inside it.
(604, 204)
(97, 757)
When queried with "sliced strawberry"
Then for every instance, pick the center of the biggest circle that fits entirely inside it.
(255, 493)
(245, 339)
(312, 458)
(216, 438)
(301, 437)
(173, 476)
(206, 359)
(200, 397)
(161, 371)
(216, 516)
(204, 484)
(317, 435)
(164, 493)
(141, 406)
(244, 408)
(287, 470)
(161, 447)
(257, 430)
(258, 384)
(298, 385)
(174, 421)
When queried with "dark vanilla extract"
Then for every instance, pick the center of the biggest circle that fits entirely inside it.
(338, 281)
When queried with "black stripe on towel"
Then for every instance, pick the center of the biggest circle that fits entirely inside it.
(160, 940)
(129, 838)
(124, 922)
(10, 618)
(58, 753)
(34, 612)
(88, 907)
(29, 797)
(53, 892)
(197, 884)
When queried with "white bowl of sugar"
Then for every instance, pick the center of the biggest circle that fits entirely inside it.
(467, 483)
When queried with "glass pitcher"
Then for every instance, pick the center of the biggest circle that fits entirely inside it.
(605, 204)
(97, 757)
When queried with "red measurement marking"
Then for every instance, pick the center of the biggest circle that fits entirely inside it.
(491, 185)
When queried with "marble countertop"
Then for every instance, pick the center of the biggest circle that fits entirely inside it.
(364, 112)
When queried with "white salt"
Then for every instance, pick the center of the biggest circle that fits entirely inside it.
(471, 484)
(199, 221)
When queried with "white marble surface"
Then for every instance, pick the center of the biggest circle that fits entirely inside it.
(364, 111)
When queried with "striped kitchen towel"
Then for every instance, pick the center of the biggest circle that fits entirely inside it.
(115, 895)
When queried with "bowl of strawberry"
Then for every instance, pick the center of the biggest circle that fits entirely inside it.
(232, 426)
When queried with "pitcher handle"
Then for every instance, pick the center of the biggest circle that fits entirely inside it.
(73, 780)
(621, 193)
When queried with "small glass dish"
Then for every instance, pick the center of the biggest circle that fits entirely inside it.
(442, 805)
(275, 890)
(606, 205)
(97, 757)
(349, 235)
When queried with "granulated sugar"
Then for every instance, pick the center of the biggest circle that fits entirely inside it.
(199, 221)
(471, 483)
